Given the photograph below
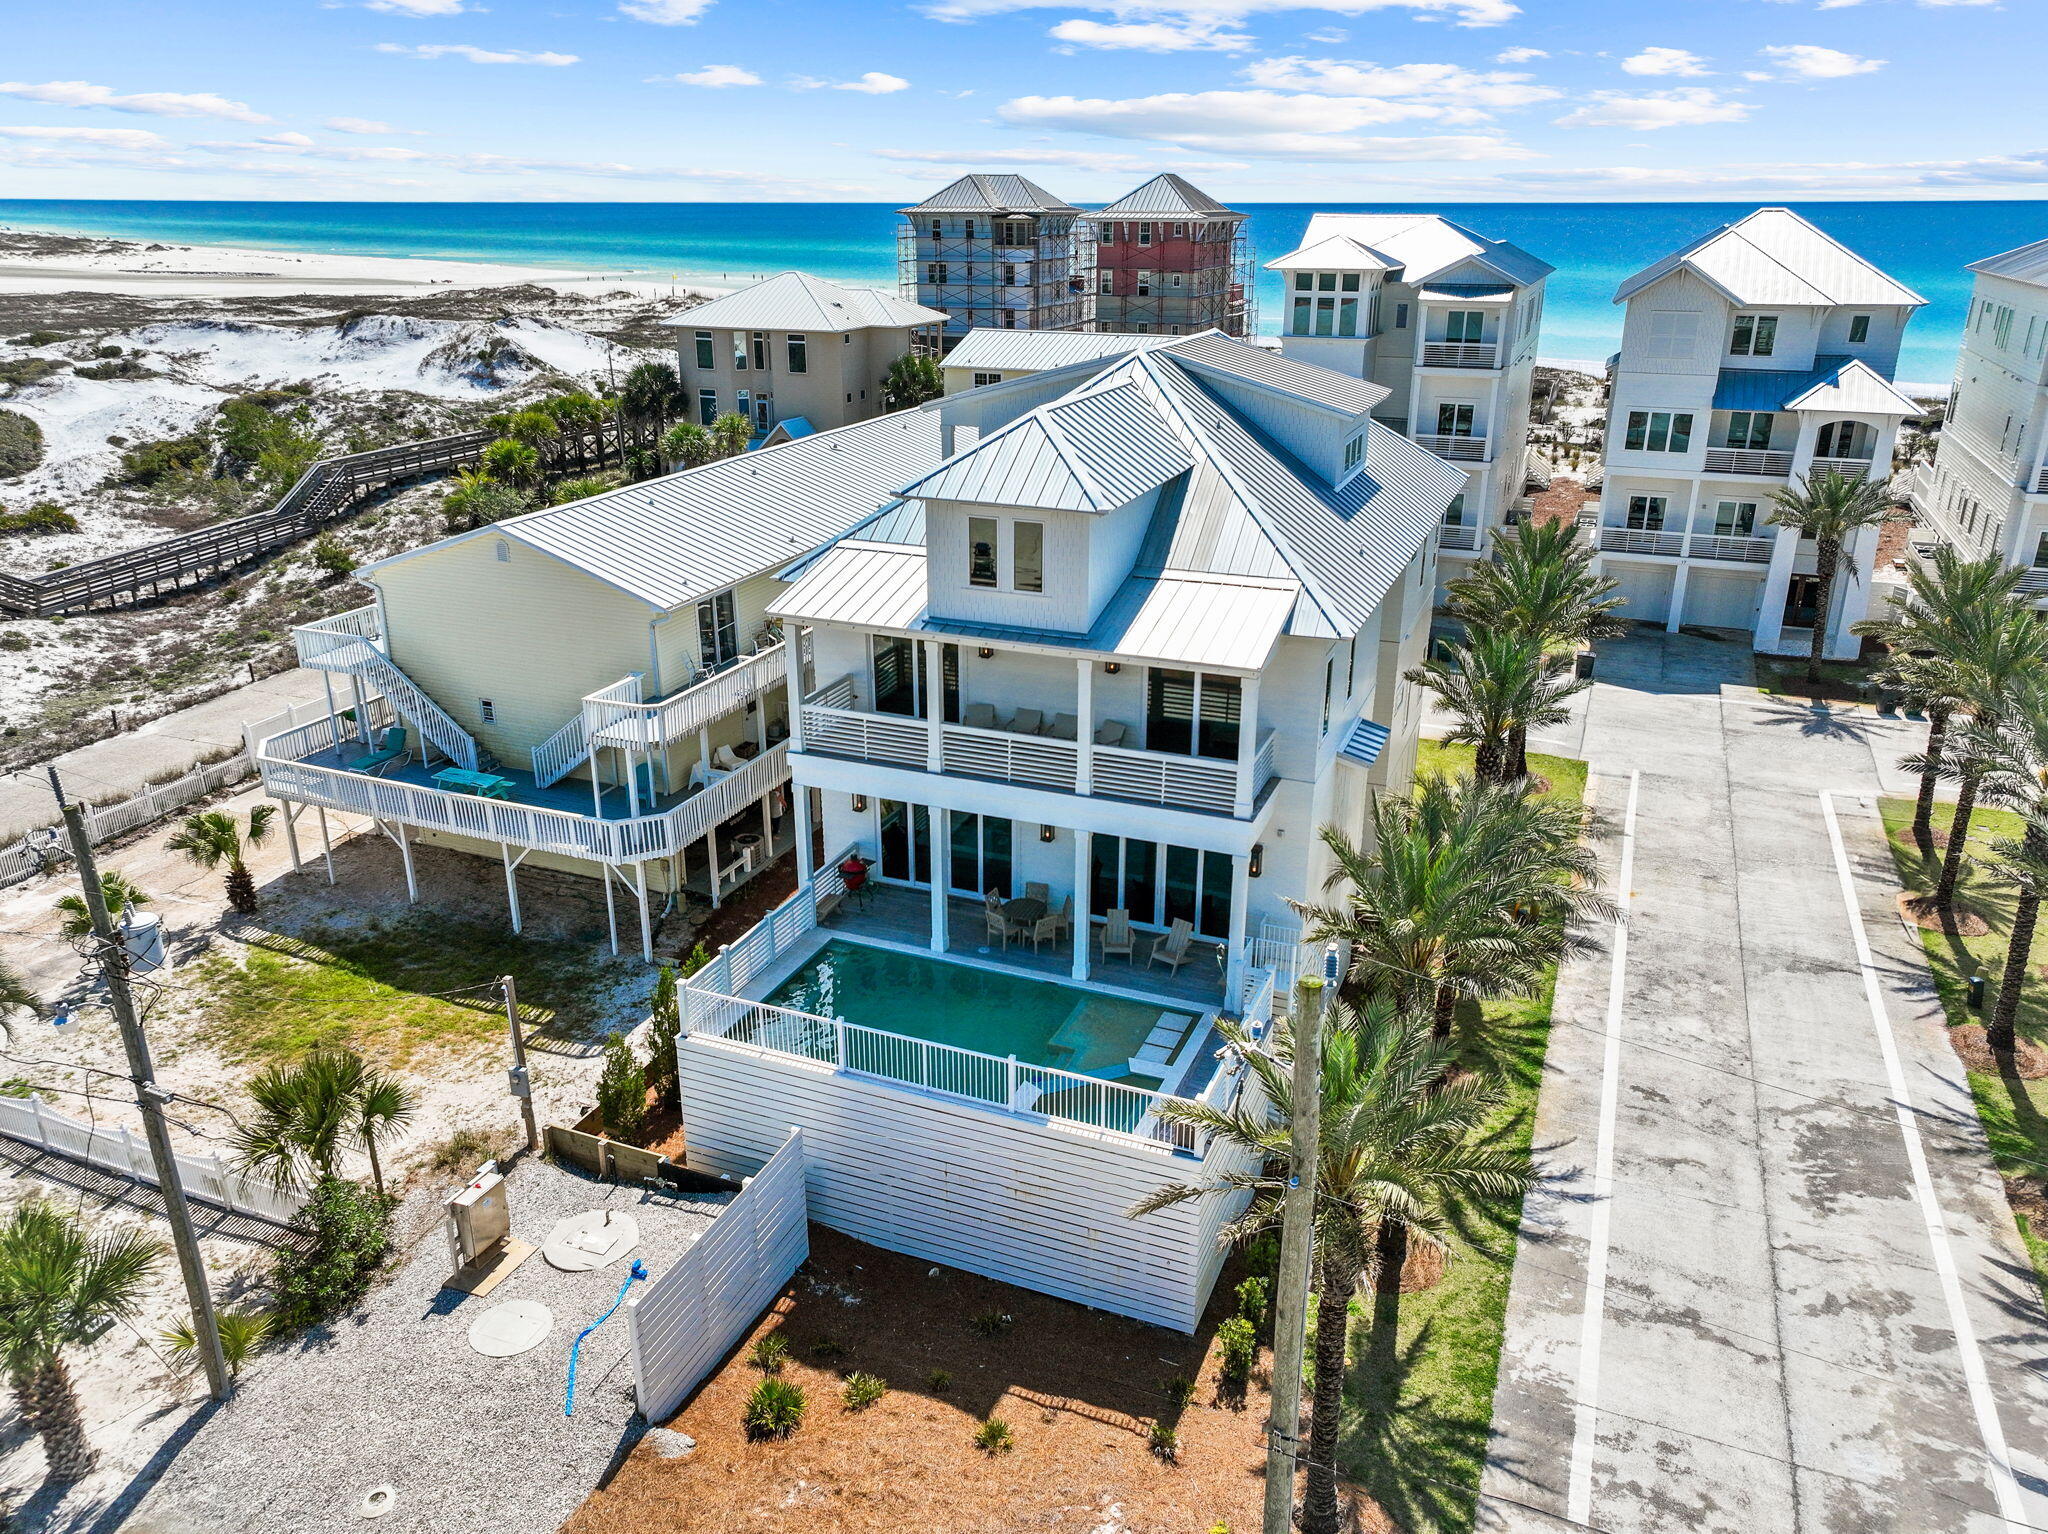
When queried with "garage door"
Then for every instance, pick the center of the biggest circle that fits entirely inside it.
(1720, 601)
(1645, 588)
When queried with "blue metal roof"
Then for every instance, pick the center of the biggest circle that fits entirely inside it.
(1761, 389)
(1365, 742)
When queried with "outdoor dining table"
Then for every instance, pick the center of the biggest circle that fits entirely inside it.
(1023, 911)
(484, 785)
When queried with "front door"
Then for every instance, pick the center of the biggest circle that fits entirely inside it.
(1802, 602)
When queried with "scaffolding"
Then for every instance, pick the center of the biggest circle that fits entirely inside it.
(1221, 295)
(1020, 274)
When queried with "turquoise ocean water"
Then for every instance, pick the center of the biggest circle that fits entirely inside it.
(1593, 245)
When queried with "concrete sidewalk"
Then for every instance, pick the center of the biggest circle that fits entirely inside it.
(120, 766)
(1785, 1306)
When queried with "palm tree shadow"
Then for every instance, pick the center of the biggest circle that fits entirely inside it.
(1408, 1450)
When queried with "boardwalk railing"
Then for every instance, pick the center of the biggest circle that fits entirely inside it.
(125, 1153)
(323, 493)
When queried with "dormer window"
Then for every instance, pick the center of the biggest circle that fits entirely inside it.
(1756, 335)
(1025, 569)
(1354, 453)
(981, 551)
(1859, 329)
(1027, 556)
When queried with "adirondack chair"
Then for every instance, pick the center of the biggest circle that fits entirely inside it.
(979, 716)
(1066, 917)
(1112, 732)
(1025, 722)
(1173, 948)
(392, 748)
(1117, 937)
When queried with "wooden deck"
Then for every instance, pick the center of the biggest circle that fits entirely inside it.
(901, 914)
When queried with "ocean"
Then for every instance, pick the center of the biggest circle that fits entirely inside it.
(1592, 245)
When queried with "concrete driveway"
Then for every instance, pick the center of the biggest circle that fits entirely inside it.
(1770, 1283)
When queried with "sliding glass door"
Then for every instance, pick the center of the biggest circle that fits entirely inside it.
(980, 855)
(1159, 884)
(1192, 713)
(900, 678)
(906, 837)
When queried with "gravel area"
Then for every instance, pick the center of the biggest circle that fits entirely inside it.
(394, 1395)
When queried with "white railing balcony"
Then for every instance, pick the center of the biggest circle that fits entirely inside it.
(2041, 480)
(1640, 540)
(1460, 354)
(344, 642)
(1465, 449)
(1748, 460)
(1042, 761)
(1854, 468)
(1453, 536)
(615, 720)
(1728, 547)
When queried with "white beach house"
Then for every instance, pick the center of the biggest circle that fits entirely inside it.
(1987, 492)
(1446, 321)
(1760, 353)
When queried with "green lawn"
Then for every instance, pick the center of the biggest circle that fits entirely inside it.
(1419, 1403)
(378, 986)
(2014, 1112)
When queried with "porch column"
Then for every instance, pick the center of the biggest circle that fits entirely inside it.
(1240, 925)
(1247, 746)
(611, 910)
(941, 843)
(412, 883)
(362, 711)
(596, 781)
(1676, 619)
(326, 841)
(511, 882)
(934, 708)
(1084, 933)
(792, 654)
(711, 858)
(291, 834)
(801, 802)
(646, 923)
(1084, 737)
(327, 686)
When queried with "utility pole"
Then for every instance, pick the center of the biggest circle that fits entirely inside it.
(112, 957)
(521, 1083)
(1297, 1245)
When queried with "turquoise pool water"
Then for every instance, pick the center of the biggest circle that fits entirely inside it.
(1039, 1021)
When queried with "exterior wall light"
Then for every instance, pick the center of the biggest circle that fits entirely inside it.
(1257, 864)
(860, 804)
(1046, 833)
(1113, 667)
(984, 652)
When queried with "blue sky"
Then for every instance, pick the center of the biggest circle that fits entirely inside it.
(689, 100)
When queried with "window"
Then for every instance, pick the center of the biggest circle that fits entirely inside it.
(1735, 519)
(1454, 514)
(1350, 282)
(1127, 875)
(1859, 329)
(707, 406)
(1176, 280)
(1750, 428)
(1646, 513)
(1347, 316)
(1144, 284)
(983, 380)
(1329, 688)
(761, 349)
(504, 552)
(739, 353)
(799, 355)
(1845, 439)
(1400, 316)
(1464, 325)
(1009, 319)
(1180, 231)
(2001, 327)
(1673, 335)
(707, 353)
(1027, 556)
(1305, 281)
(1756, 335)
(1454, 420)
(2041, 551)
(1009, 274)
(1326, 316)
(1106, 234)
(487, 710)
(1659, 431)
(1192, 713)
(1108, 282)
(900, 678)
(981, 551)
(718, 631)
(1302, 310)
(935, 273)
(1354, 452)
(1144, 234)
(938, 229)
(967, 228)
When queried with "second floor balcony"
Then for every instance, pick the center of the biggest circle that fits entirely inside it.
(1743, 460)
(1460, 447)
(1711, 540)
(1460, 354)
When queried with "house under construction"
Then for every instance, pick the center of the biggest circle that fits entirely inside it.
(994, 250)
(1169, 259)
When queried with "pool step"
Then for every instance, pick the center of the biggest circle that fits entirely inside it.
(1161, 1045)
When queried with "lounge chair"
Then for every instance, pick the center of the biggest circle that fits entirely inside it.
(1173, 948)
(1045, 927)
(1063, 727)
(392, 748)
(1117, 937)
(1113, 732)
(979, 716)
(703, 774)
(1042, 893)
(725, 759)
(1025, 721)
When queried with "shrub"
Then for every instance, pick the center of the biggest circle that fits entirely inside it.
(768, 1353)
(531, 427)
(993, 1323)
(580, 489)
(21, 371)
(1254, 1297)
(691, 962)
(151, 463)
(939, 1380)
(666, 1024)
(477, 501)
(39, 520)
(774, 1410)
(1237, 1343)
(911, 381)
(106, 351)
(14, 639)
(21, 444)
(510, 462)
(1164, 1441)
(40, 338)
(332, 558)
(993, 1436)
(1179, 1391)
(349, 1231)
(242, 1332)
(622, 1089)
(863, 1390)
(463, 1149)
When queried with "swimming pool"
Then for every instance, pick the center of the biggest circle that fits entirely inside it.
(1041, 1022)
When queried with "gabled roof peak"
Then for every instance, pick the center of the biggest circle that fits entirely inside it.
(985, 193)
(1166, 196)
(1774, 256)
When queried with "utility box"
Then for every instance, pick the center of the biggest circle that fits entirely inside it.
(479, 1218)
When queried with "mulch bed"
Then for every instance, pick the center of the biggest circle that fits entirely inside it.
(1923, 913)
(2029, 1061)
(1078, 1388)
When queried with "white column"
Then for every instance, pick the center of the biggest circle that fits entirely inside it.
(611, 910)
(326, 842)
(941, 839)
(646, 923)
(291, 834)
(800, 800)
(934, 709)
(711, 857)
(792, 654)
(362, 711)
(1248, 745)
(511, 883)
(1084, 932)
(1084, 735)
(327, 686)
(412, 883)
(1240, 927)
(1770, 615)
(596, 781)
(1677, 614)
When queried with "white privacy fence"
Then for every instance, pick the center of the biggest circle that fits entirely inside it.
(31, 855)
(687, 1319)
(119, 1150)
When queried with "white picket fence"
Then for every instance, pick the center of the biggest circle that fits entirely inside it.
(686, 1320)
(120, 1150)
(20, 860)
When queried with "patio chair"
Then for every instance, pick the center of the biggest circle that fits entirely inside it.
(1063, 727)
(1173, 948)
(1117, 937)
(703, 774)
(1113, 732)
(1042, 893)
(392, 748)
(1066, 917)
(1045, 927)
(998, 924)
(725, 759)
(979, 716)
(1026, 721)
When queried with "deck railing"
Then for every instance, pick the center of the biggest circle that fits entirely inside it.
(1852, 468)
(1641, 540)
(2041, 480)
(1465, 449)
(1455, 536)
(337, 643)
(1748, 460)
(1731, 547)
(1460, 354)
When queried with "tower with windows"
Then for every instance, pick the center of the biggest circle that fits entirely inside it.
(1170, 260)
(993, 251)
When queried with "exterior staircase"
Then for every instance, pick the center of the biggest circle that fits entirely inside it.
(353, 643)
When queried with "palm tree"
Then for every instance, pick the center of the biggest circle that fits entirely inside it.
(2023, 860)
(1957, 613)
(383, 1104)
(15, 996)
(651, 392)
(308, 1114)
(1398, 1149)
(510, 462)
(1830, 510)
(731, 433)
(116, 889)
(688, 445)
(1539, 585)
(2013, 772)
(911, 380)
(59, 1288)
(213, 837)
(1471, 889)
(1499, 686)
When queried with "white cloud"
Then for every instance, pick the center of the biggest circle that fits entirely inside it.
(77, 93)
(1519, 55)
(478, 55)
(716, 77)
(419, 7)
(873, 83)
(294, 140)
(1665, 61)
(665, 13)
(1449, 92)
(1687, 107)
(1075, 159)
(1151, 36)
(2022, 172)
(106, 138)
(1263, 124)
(1465, 13)
(1328, 35)
(1805, 61)
(367, 125)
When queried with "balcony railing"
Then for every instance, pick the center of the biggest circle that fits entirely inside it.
(1452, 536)
(1736, 550)
(2034, 582)
(2041, 480)
(649, 726)
(833, 725)
(1469, 449)
(1640, 540)
(1460, 354)
(1748, 460)
(340, 643)
(1854, 468)
(1726, 548)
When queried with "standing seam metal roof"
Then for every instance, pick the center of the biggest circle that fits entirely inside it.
(996, 350)
(2029, 263)
(1776, 257)
(1166, 195)
(983, 193)
(799, 301)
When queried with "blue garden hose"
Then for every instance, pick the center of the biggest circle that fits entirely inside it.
(569, 1400)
